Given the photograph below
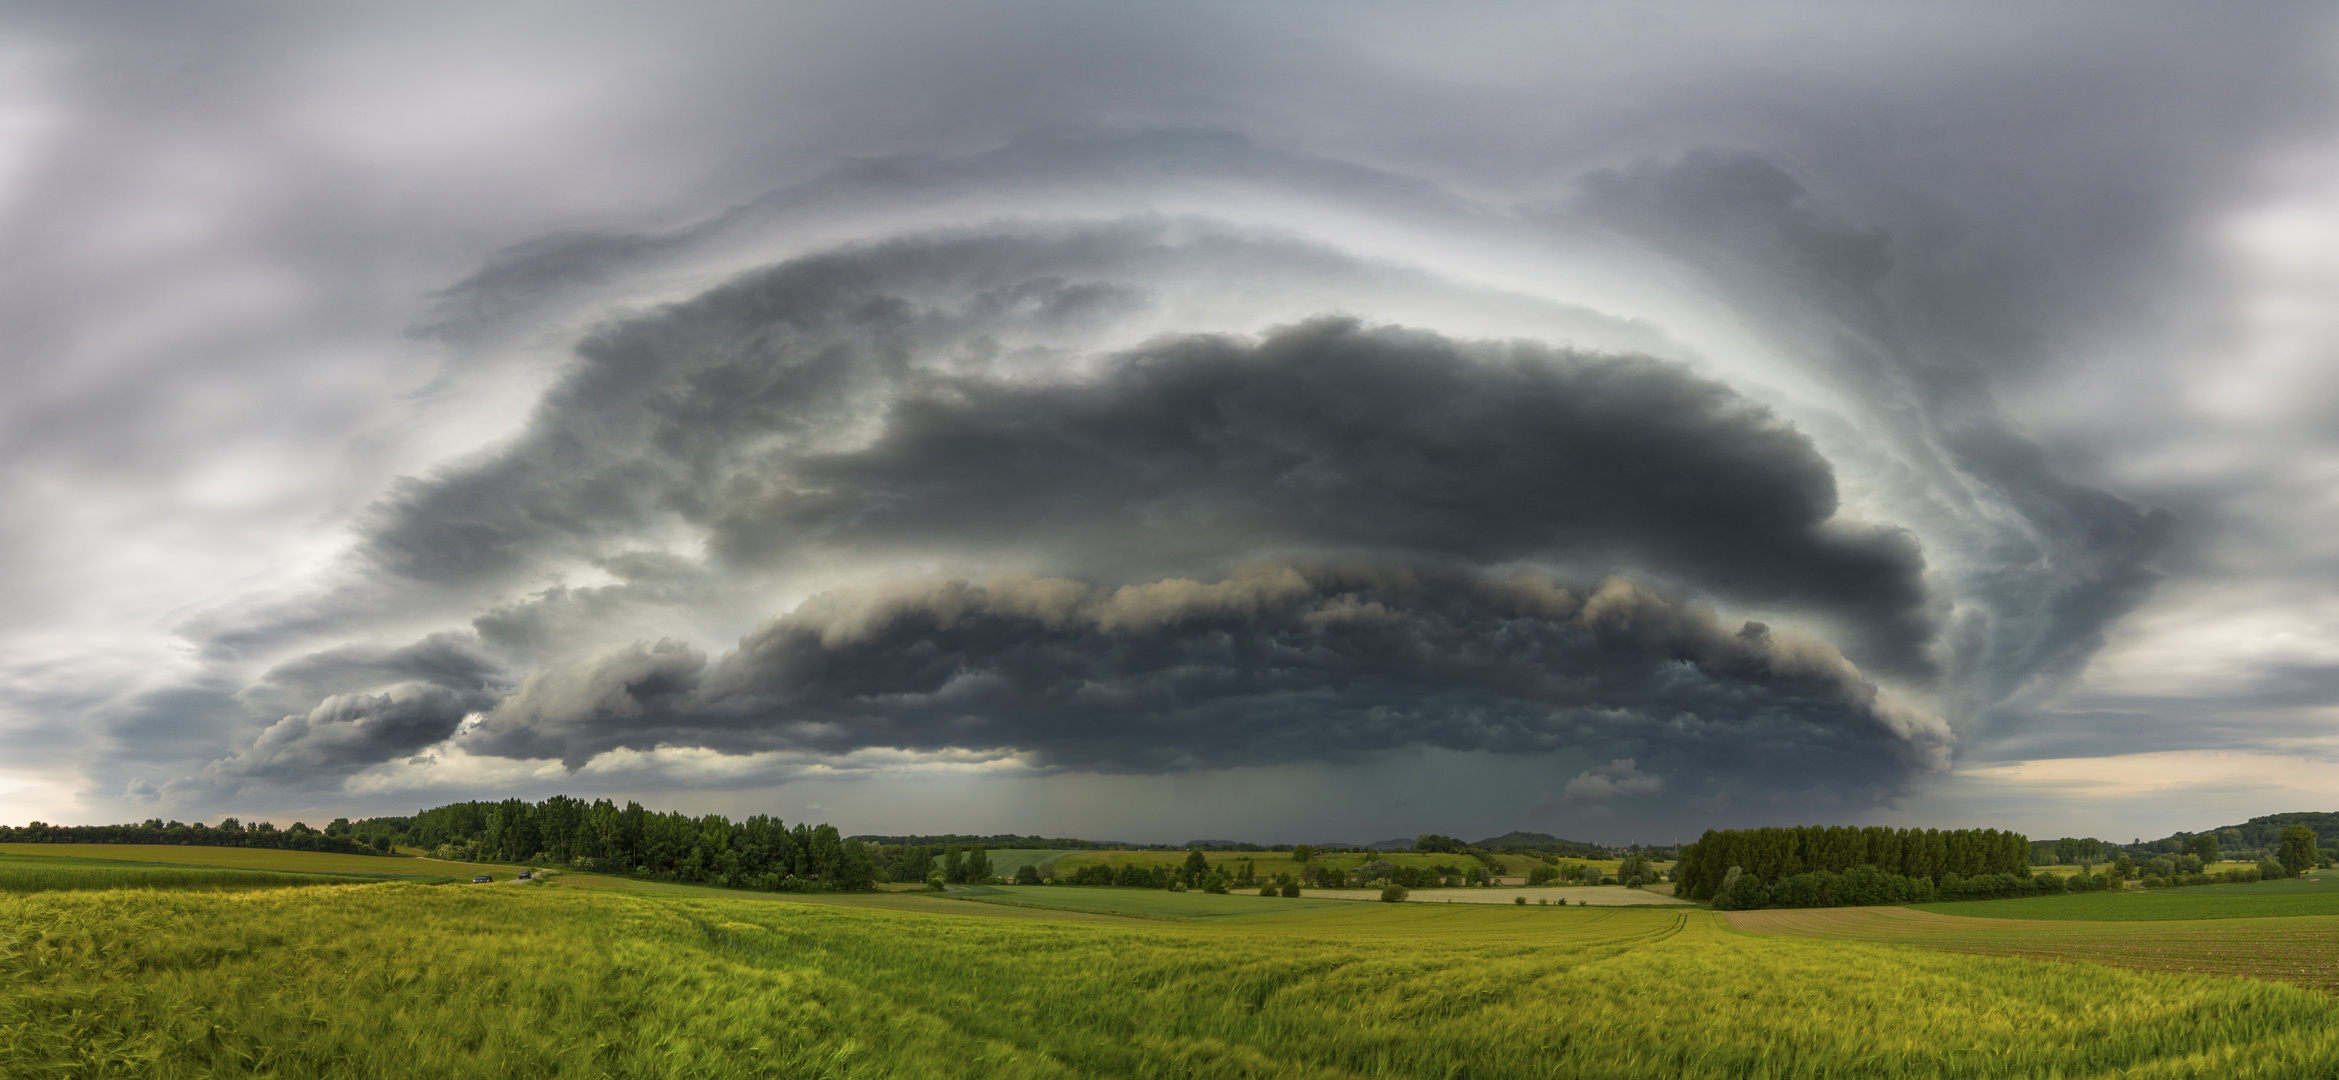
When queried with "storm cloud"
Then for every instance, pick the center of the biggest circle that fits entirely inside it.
(1275, 664)
(1705, 414)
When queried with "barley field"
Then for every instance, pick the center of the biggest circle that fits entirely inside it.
(559, 980)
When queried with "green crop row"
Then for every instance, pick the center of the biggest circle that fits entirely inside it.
(402, 980)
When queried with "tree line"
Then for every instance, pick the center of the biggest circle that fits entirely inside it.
(1927, 856)
(758, 852)
(228, 833)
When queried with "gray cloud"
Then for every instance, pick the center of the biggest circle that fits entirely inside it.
(1275, 664)
(812, 408)
(346, 732)
(1902, 365)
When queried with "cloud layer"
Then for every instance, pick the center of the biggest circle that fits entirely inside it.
(1161, 394)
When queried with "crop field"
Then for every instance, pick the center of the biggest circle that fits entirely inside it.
(37, 873)
(1006, 861)
(2317, 895)
(561, 981)
(2295, 950)
(1151, 903)
(1587, 895)
(1270, 863)
(236, 858)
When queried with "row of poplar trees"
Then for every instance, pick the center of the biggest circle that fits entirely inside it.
(1776, 854)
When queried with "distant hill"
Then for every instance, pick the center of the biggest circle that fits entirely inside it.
(2258, 832)
(1535, 841)
(1399, 844)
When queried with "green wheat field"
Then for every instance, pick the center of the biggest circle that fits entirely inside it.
(154, 977)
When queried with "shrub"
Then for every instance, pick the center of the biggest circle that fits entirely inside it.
(1291, 888)
(1542, 875)
(1267, 890)
(1394, 894)
(1519, 900)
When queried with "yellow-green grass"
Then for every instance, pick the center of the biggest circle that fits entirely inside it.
(42, 873)
(2315, 894)
(2302, 950)
(237, 858)
(407, 981)
(1006, 861)
(1151, 903)
(1267, 864)
(1572, 895)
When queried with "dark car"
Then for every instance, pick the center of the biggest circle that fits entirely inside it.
(481, 880)
(526, 874)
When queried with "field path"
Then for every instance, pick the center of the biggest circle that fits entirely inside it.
(2297, 949)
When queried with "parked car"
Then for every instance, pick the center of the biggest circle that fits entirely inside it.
(481, 880)
(526, 874)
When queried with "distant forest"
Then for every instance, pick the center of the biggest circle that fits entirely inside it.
(228, 833)
(2251, 838)
(1836, 866)
(757, 853)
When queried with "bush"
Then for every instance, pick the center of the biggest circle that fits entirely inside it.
(1542, 875)
(1394, 894)
(1519, 900)
(1291, 888)
(1267, 890)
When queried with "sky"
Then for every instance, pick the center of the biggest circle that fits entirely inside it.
(1311, 421)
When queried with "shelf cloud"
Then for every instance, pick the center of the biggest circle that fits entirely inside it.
(1750, 414)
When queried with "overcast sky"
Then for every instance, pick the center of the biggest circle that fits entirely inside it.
(1305, 422)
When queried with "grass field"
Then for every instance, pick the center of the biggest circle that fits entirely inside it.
(1006, 861)
(1148, 903)
(560, 981)
(234, 858)
(1588, 895)
(2315, 895)
(42, 873)
(2297, 950)
(1270, 863)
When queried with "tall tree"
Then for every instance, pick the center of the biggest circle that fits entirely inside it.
(2298, 849)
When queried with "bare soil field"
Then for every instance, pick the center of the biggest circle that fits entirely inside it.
(2297, 949)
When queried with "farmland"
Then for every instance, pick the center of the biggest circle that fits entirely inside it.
(235, 858)
(561, 980)
(1149, 903)
(2316, 895)
(2302, 950)
(37, 873)
(1270, 863)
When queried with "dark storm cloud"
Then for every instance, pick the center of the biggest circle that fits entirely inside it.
(1896, 318)
(800, 412)
(1275, 664)
(347, 732)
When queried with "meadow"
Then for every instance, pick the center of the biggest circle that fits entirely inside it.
(2301, 950)
(388, 867)
(1146, 903)
(559, 980)
(1267, 864)
(36, 873)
